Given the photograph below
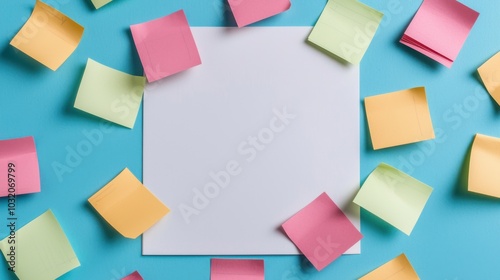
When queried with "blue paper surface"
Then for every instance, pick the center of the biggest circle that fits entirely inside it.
(457, 234)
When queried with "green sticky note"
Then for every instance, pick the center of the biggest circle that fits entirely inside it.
(346, 29)
(41, 250)
(100, 3)
(110, 94)
(394, 196)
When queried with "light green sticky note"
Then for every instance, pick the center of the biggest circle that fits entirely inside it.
(100, 3)
(110, 94)
(394, 196)
(346, 29)
(40, 250)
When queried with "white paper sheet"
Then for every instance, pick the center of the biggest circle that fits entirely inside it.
(199, 121)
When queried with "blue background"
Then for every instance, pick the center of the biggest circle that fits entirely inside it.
(457, 236)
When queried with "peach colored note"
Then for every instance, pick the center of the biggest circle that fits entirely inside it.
(399, 118)
(398, 268)
(48, 36)
(490, 75)
(484, 165)
(127, 205)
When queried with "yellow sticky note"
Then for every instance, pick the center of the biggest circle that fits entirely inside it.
(110, 94)
(394, 196)
(484, 165)
(346, 29)
(398, 118)
(490, 75)
(398, 268)
(41, 250)
(127, 205)
(100, 3)
(48, 36)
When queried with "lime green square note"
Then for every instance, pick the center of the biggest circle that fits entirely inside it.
(394, 196)
(100, 3)
(40, 250)
(110, 94)
(346, 29)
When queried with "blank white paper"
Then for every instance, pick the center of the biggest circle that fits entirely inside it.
(239, 144)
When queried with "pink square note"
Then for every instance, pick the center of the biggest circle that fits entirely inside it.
(246, 12)
(321, 231)
(439, 29)
(19, 171)
(133, 276)
(231, 269)
(166, 46)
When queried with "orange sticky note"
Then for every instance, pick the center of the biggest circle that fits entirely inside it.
(490, 75)
(398, 268)
(484, 164)
(48, 36)
(127, 205)
(399, 118)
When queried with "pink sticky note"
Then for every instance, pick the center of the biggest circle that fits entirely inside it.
(321, 231)
(439, 29)
(166, 46)
(230, 269)
(133, 276)
(246, 12)
(19, 171)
